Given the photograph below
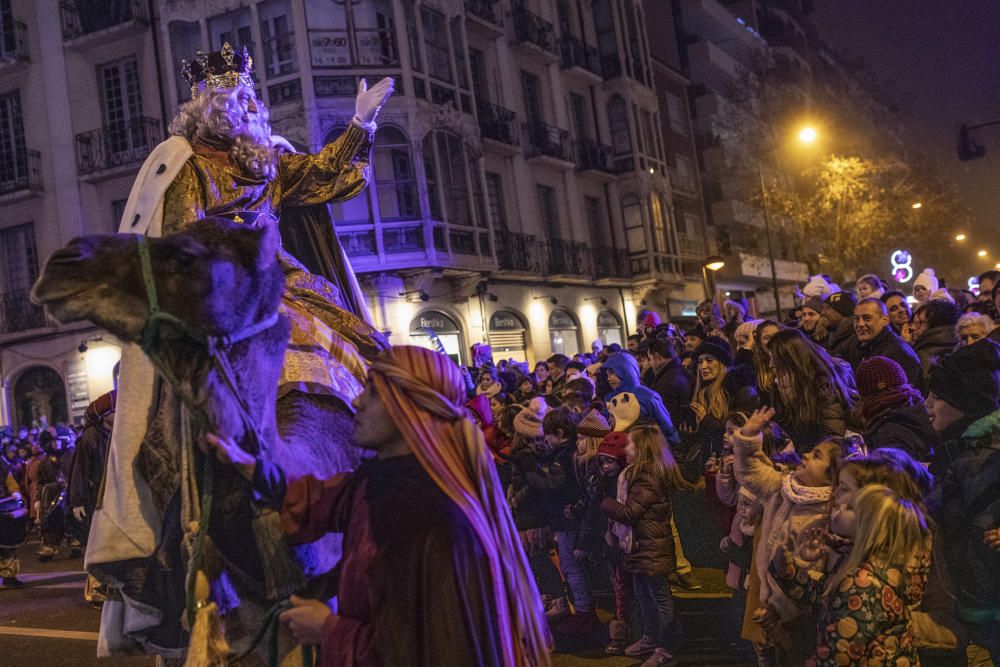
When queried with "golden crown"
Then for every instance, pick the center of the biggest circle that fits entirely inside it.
(219, 69)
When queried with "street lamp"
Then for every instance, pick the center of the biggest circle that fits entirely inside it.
(713, 264)
(959, 237)
(916, 205)
(982, 253)
(807, 135)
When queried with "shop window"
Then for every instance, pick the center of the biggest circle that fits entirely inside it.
(563, 333)
(437, 331)
(609, 328)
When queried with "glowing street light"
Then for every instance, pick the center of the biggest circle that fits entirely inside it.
(916, 205)
(807, 135)
(714, 263)
(997, 265)
(959, 237)
(982, 253)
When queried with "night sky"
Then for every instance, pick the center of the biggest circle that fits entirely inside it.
(942, 63)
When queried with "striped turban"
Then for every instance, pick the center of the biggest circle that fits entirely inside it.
(424, 393)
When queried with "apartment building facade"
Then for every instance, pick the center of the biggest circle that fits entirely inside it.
(524, 192)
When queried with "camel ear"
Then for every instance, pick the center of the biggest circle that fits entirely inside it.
(268, 247)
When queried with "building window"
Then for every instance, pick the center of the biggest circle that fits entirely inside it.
(185, 40)
(436, 42)
(412, 38)
(548, 210)
(635, 235)
(13, 154)
(607, 41)
(578, 110)
(20, 259)
(621, 143)
(452, 171)
(647, 132)
(459, 50)
(692, 224)
(352, 33)
(356, 210)
(232, 27)
(279, 44)
(395, 180)
(675, 110)
(594, 208)
(532, 89)
(494, 198)
(658, 215)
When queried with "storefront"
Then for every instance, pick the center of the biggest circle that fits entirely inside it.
(507, 336)
(435, 330)
(564, 335)
(609, 328)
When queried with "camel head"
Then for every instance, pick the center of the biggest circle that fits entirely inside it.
(216, 276)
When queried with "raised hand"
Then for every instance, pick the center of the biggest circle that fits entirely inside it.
(371, 100)
(758, 420)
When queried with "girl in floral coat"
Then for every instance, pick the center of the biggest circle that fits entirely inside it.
(863, 617)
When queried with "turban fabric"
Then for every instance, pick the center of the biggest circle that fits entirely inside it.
(424, 393)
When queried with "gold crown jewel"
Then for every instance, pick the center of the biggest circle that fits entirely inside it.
(220, 69)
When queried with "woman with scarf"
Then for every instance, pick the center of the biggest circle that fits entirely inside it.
(432, 571)
(893, 410)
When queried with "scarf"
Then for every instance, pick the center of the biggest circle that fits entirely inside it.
(794, 493)
(620, 530)
(888, 399)
(424, 393)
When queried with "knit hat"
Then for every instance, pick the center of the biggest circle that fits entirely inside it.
(815, 303)
(747, 329)
(613, 445)
(528, 423)
(927, 279)
(594, 424)
(817, 286)
(843, 303)
(718, 348)
(878, 373)
(968, 379)
(651, 319)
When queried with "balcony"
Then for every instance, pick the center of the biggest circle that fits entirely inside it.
(534, 33)
(569, 258)
(498, 125)
(579, 58)
(81, 19)
(17, 313)
(718, 69)
(683, 182)
(22, 177)
(611, 263)
(113, 149)
(595, 159)
(15, 52)
(548, 145)
(487, 15)
(518, 252)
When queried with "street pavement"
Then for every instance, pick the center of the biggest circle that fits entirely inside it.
(48, 624)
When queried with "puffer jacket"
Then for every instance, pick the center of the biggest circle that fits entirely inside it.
(648, 510)
(907, 428)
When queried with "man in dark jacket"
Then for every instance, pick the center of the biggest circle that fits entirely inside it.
(874, 337)
(838, 316)
(934, 334)
(964, 406)
(669, 379)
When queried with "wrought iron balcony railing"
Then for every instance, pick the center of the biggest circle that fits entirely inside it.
(569, 258)
(547, 140)
(84, 18)
(530, 28)
(24, 172)
(497, 123)
(518, 252)
(16, 50)
(17, 313)
(487, 10)
(611, 263)
(593, 156)
(116, 145)
(575, 53)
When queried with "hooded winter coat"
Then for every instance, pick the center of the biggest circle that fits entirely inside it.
(650, 404)
(934, 343)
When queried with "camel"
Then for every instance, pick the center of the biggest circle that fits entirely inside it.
(215, 277)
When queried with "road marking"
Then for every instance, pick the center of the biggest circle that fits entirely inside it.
(49, 634)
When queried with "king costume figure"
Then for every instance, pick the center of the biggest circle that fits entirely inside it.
(222, 160)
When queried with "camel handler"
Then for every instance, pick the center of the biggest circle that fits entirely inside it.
(426, 527)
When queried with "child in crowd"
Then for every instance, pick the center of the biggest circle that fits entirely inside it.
(792, 501)
(863, 614)
(642, 513)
